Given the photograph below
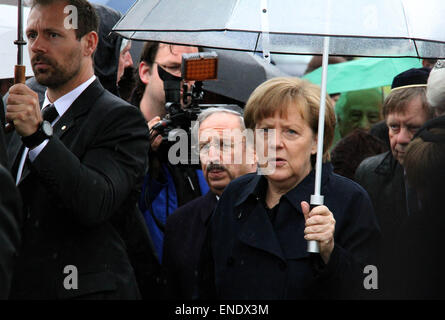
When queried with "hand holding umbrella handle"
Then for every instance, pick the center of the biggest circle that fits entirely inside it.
(312, 245)
(19, 77)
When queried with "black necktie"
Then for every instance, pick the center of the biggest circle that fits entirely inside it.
(50, 113)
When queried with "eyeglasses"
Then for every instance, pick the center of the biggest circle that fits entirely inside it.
(223, 146)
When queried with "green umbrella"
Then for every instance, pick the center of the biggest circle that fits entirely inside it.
(362, 73)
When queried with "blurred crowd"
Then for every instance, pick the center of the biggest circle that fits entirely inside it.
(92, 206)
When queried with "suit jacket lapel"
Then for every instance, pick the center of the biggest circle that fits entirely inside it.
(79, 107)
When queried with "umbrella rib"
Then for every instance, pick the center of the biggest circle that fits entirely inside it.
(408, 29)
(231, 13)
(257, 41)
(277, 33)
(415, 47)
(406, 20)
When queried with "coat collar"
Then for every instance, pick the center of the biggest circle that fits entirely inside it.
(209, 199)
(255, 187)
(249, 189)
(306, 188)
(285, 238)
(258, 232)
(388, 165)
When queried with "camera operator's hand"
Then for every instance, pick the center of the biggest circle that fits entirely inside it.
(155, 138)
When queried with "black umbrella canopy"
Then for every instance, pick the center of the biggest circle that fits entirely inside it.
(239, 73)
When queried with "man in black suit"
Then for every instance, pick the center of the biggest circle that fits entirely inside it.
(186, 228)
(78, 164)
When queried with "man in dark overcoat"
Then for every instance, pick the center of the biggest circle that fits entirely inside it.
(187, 226)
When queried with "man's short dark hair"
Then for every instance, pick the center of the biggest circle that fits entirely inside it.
(87, 17)
(149, 52)
(148, 56)
(397, 101)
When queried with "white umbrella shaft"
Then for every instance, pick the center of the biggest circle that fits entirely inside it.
(316, 198)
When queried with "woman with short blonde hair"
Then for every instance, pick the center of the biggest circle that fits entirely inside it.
(257, 242)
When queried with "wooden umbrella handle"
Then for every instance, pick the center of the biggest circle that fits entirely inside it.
(19, 77)
(19, 74)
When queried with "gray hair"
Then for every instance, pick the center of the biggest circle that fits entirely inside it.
(435, 92)
(230, 109)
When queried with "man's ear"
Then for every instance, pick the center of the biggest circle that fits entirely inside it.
(144, 72)
(89, 41)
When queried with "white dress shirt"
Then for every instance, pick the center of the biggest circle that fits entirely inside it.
(62, 104)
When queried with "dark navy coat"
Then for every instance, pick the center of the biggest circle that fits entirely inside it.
(247, 256)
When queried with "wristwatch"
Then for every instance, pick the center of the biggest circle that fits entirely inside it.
(45, 131)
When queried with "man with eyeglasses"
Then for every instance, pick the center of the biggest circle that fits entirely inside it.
(225, 154)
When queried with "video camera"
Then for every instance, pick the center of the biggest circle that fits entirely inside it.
(195, 67)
